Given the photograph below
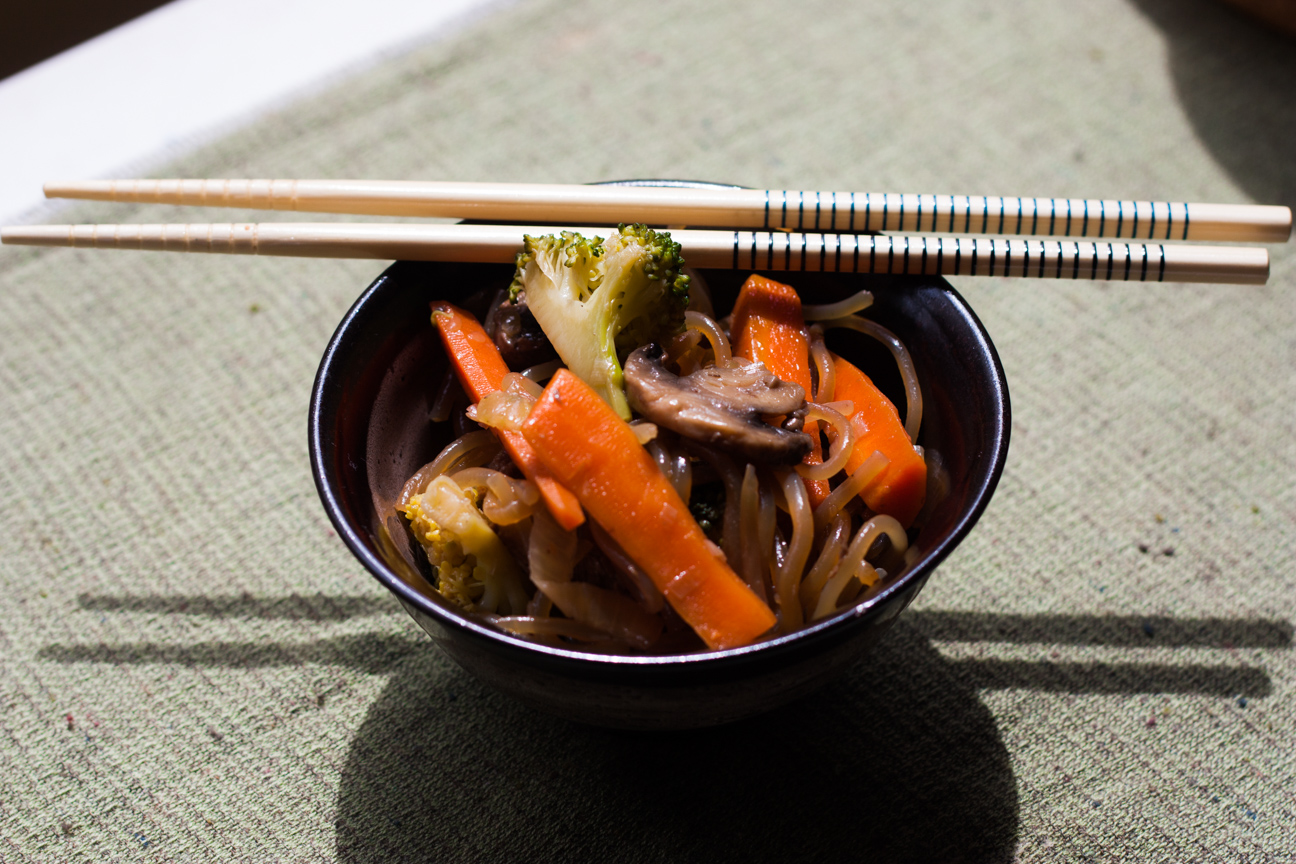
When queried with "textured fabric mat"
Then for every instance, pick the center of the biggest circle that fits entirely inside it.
(193, 668)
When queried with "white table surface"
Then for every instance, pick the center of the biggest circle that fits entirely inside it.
(146, 91)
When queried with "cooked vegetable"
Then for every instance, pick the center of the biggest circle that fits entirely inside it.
(768, 328)
(518, 336)
(596, 455)
(598, 299)
(721, 406)
(605, 611)
(481, 370)
(474, 569)
(901, 486)
(727, 441)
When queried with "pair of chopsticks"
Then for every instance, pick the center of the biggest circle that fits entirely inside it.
(766, 229)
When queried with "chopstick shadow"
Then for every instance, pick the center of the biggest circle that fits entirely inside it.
(371, 653)
(1120, 631)
(1234, 79)
(293, 607)
(376, 653)
(899, 760)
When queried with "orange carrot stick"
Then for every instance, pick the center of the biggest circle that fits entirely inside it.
(768, 327)
(595, 454)
(901, 488)
(481, 370)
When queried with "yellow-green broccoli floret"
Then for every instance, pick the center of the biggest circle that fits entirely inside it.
(599, 299)
(473, 568)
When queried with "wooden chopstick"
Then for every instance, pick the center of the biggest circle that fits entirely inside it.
(716, 207)
(756, 250)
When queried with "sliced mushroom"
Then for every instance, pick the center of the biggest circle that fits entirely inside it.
(721, 406)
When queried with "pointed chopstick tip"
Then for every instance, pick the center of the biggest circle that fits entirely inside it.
(90, 190)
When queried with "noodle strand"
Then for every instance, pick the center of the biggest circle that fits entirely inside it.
(789, 574)
(826, 381)
(454, 456)
(708, 327)
(913, 394)
(853, 561)
(842, 442)
(826, 564)
(857, 302)
(541, 371)
(865, 474)
(749, 522)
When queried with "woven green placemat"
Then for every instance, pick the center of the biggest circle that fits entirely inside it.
(193, 668)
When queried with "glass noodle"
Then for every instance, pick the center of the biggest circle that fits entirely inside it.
(805, 556)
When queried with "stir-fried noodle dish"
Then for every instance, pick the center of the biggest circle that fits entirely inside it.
(635, 471)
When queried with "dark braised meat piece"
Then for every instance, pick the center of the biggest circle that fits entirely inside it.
(722, 407)
(518, 336)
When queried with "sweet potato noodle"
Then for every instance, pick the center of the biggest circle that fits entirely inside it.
(806, 537)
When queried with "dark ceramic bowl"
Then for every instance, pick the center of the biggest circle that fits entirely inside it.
(369, 432)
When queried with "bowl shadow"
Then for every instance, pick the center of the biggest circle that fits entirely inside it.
(898, 759)
(897, 766)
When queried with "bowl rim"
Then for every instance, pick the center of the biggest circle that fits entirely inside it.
(785, 648)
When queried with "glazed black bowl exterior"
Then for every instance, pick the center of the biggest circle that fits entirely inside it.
(369, 432)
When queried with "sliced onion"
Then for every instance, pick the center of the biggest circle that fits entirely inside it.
(551, 552)
(508, 489)
(509, 500)
(520, 385)
(502, 410)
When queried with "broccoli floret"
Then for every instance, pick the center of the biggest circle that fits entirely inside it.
(473, 568)
(598, 299)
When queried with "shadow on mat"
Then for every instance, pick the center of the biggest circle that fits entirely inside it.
(892, 767)
(293, 607)
(1235, 81)
(898, 760)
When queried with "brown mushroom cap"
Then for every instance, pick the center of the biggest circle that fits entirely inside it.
(721, 406)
